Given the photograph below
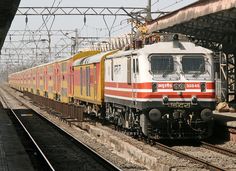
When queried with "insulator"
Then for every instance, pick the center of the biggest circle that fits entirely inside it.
(26, 19)
(84, 19)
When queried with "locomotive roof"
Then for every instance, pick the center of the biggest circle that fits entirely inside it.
(173, 47)
(92, 59)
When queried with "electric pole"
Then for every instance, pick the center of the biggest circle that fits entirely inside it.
(149, 9)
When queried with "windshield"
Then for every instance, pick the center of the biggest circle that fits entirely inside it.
(193, 64)
(162, 65)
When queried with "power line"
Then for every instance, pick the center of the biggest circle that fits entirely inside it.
(176, 2)
(155, 3)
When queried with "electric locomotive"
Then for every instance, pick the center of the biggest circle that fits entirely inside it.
(164, 90)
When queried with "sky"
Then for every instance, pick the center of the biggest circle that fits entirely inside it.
(93, 23)
(24, 49)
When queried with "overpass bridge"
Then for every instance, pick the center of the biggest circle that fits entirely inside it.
(211, 24)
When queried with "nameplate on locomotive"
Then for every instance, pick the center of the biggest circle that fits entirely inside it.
(179, 105)
(178, 86)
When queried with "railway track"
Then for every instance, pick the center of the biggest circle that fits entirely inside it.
(181, 154)
(32, 145)
(218, 149)
(189, 157)
(59, 150)
(206, 164)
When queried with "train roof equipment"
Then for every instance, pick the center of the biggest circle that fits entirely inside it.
(172, 47)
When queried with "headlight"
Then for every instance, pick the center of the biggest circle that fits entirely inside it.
(165, 99)
(203, 87)
(154, 115)
(194, 100)
(154, 87)
(206, 115)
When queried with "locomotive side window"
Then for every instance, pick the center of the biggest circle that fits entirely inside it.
(193, 64)
(133, 65)
(162, 64)
(137, 66)
(129, 70)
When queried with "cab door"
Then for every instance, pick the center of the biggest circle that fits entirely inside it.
(134, 75)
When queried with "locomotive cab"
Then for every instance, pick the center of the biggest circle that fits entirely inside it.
(165, 89)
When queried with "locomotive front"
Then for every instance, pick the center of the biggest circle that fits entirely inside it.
(182, 95)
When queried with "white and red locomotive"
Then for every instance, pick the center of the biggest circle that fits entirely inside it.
(163, 90)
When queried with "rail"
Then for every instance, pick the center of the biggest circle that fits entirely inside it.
(218, 149)
(187, 156)
(27, 132)
(100, 159)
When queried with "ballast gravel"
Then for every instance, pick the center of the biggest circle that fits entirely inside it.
(79, 134)
(218, 159)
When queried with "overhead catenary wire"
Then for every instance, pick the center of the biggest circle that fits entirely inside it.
(47, 25)
(170, 5)
(48, 17)
(32, 39)
(109, 28)
(155, 3)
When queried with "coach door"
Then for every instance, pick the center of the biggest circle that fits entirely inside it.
(71, 80)
(59, 75)
(87, 82)
(54, 77)
(95, 81)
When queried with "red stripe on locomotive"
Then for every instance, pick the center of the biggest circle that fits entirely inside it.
(161, 85)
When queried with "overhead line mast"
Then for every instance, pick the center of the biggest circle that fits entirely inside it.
(149, 11)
